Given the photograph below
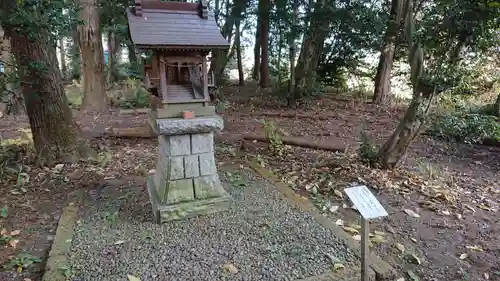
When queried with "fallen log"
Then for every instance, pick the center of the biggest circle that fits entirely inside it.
(145, 132)
(297, 141)
(290, 115)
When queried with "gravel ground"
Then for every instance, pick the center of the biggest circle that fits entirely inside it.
(263, 236)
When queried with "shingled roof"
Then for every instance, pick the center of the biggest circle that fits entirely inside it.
(154, 23)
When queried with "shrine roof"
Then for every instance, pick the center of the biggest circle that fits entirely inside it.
(158, 24)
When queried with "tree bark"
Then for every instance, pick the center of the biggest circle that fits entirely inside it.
(297, 141)
(256, 52)
(14, 98)
(221, 57)
(145, 132)
(94, 98)
(264, 7)
(497, 106)
(293, 52)
(62, 50)
(381, 93)
(113, 49)
(75, 53)
(395, 147)
(312, 46)
(280, 45)
(237, 41)
(55, 134)
(132, 56)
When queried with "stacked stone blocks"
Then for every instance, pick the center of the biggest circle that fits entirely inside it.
(186, 182)
(186, 168)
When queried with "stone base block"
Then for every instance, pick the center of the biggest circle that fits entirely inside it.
(177, 126)
(168, 212)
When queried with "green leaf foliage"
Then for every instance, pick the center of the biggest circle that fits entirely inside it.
(467, 128)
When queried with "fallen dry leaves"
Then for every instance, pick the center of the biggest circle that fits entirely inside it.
(231, 268)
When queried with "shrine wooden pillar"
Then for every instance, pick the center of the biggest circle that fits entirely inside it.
(204, 70)
(163, 78)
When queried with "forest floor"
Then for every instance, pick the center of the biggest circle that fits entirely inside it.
(442, 199)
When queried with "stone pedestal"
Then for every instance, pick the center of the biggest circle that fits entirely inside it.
(186, 182)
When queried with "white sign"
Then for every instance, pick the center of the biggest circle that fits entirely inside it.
(365, 201)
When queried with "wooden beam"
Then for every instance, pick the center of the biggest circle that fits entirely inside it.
(163, 81)
(190, 100)
(154, 64)
(205, 77)
(188, 60)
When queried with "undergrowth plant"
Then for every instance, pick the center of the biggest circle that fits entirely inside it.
(367, 152)
(275, 139)
(14, 153)
(467, 128)
(23, 261)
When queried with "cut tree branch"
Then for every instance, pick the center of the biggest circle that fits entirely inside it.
(297, 141)
(290, 115)
(145, 132)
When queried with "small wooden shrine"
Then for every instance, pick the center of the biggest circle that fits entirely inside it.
(181, 35)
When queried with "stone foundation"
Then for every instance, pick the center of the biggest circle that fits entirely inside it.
(186, 182)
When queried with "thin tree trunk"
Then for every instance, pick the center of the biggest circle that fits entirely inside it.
(14, 97)
(237, 41)
(280, 45)
(111, 77)
(264, 8)
(62, 50)
(132, 56)
(291, 82)
(55, 134)
(217, 11)
(256, 52)
(312, 45)
(94, 98)
(395, 147)
(381, 93)
(497, 106)
(75, 53)
(221, 57)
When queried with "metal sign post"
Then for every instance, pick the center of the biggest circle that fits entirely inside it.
(365, 251)
(369, 208)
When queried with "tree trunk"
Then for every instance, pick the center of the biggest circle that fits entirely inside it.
(113, 49)
(280, 44)
(217, 11)
(264, 8)
(13, 97)
(62, 49)
(237, 42)
(94, 98)
(55, 134)
(291, 82)
(382, 90)
(221, 57)
(297, 141)
(395, 147)
(312, 46)
(75, 63)
(497, 106)
(132, 56)
(256, 52)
